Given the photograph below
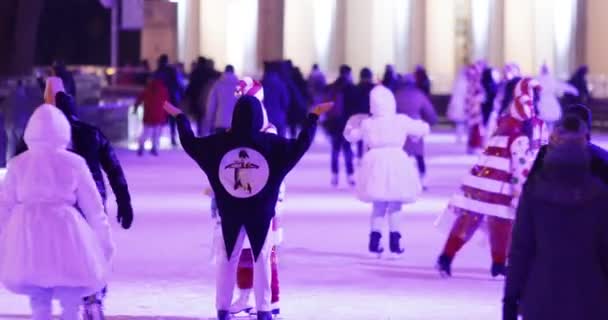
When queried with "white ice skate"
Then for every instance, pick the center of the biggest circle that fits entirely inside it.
(242, 303)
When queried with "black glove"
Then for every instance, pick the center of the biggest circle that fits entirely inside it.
(125, 215)
(509, 310)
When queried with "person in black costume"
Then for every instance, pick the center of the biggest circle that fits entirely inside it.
(248, 209)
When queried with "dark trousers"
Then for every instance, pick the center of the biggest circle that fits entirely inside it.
(173, 130)
(338, 143)
(421, 165)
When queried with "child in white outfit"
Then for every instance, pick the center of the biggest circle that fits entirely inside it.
(47, 248)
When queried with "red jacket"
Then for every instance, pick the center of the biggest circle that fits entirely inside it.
(154, 96)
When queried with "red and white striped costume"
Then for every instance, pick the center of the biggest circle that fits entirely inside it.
(493, 185)
(489, 193)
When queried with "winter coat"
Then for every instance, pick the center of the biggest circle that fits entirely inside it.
(490, 88)
(598, 161)
(549, 108)
(44, 239)
(220, 102)
(245, 168)
(154, 96)
(359, 104)
(276, 100)
(341, 93)
(316, 86)
(412, 102)
(386, 173)
(558, 263)
(91, 144)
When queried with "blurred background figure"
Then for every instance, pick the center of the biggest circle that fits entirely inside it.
(490, 88)
(423, 82)
(473, 110)
(579, 81)
(504, 95)
(334, 123)
(220, 103)
(456, 106)
(168, 75)
(549, 108)
(360, 101)
(316, 85)
(17, 109)
(153, 98)
(276, 97)
(61, 71)
(297, 88)
(414, 103)
(390, 79)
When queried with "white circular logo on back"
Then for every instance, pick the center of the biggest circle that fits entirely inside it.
(243, 172)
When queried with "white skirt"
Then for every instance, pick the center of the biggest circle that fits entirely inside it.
(50, 246)
(388, 174)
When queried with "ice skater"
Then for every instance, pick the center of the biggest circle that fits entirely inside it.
(244, 280)
(549, 108)
(47, 249)
(153, 97)
(490, 192)
(246, 214)
(388, 177)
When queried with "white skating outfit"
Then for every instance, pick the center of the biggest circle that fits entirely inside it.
(387, 177)
(47, 249)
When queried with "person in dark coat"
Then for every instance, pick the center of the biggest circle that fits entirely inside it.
(423, 82)
(598, 156)
(340, 92)
(276, 97)
(390, 78)
(245, 168)
(359, 104)
(168, 75)
(558, 263)
(490, 88)
(579, 81)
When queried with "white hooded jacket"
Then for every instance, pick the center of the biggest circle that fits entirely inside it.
(44, 240)
(386, 173)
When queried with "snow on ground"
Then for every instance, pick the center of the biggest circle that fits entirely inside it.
(163, 271)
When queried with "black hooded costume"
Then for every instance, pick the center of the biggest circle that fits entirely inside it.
(91, 144)
(246, 200)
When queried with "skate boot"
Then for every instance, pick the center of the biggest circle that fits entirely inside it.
(444, 265)
(351, 180)
(264, 315)
(374, 243)
(334, 180)
(275, 310)
(499, 269)
(394, 244)
(93, 308)
(242, 303)
(223, 315)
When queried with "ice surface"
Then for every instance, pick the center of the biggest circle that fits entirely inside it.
(162, 268)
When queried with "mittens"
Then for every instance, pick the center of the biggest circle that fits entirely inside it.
(125, 215)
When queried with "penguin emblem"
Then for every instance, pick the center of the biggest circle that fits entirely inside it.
(243, 172)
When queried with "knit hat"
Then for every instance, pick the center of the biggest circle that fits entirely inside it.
(522, 107)
(249, 87)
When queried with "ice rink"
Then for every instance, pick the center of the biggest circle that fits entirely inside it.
(163, 270)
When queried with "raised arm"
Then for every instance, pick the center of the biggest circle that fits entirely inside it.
(118, 182)
(520, 258)
(89, 202)
(191, 144)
